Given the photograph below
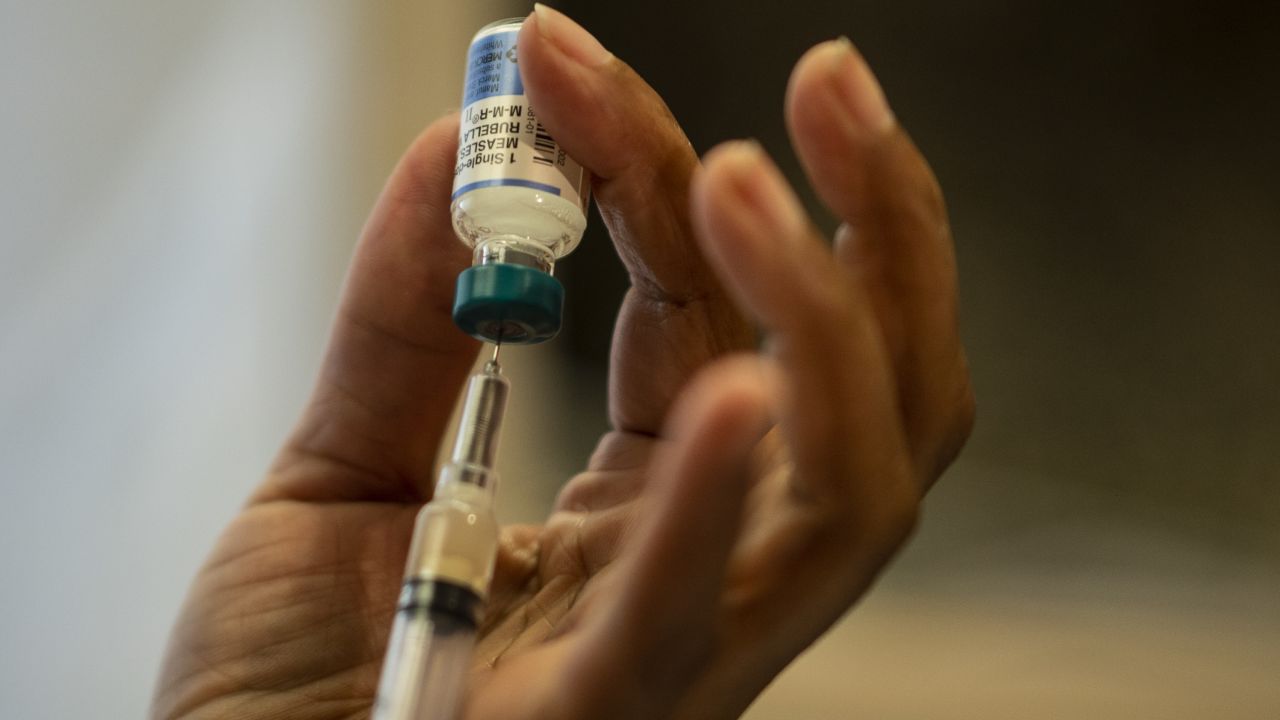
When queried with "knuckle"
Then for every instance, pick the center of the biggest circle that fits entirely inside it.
(897, 516)
(929, 194)
(907, 190)
(883, 517)
(963, 419)
(917, 178)
(912, 214)
(904, 517)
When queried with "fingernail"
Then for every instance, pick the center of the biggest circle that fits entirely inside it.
(856, 88)
(569, 36)
(760, 188)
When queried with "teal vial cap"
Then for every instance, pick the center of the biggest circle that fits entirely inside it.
(508, 303)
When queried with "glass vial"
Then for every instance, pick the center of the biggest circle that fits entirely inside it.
(519, 201)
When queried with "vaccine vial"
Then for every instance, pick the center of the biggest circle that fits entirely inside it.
(519, 201)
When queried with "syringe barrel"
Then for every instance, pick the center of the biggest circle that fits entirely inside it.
(455, 538)
(424, 674)
(482, 410)
(448, 570)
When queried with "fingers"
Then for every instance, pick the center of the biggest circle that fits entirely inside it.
(841, 411)
(866, 169)
(676, 316)
(897, 240)
(612, 122)
(395, 360)
(661, 617)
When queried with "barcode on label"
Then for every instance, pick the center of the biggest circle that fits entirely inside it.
(544, 147)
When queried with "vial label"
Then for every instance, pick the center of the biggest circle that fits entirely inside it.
(501, 141)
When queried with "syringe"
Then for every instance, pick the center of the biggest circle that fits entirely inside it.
(450, 564)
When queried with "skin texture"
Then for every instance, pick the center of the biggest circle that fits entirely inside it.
(742, 504)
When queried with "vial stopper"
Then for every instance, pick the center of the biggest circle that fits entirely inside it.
(508, 303)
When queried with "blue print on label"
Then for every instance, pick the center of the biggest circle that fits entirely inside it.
(491, 68)
(500, 182)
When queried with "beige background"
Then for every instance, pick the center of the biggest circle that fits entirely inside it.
(180, 188)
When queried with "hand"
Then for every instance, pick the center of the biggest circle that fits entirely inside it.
(741, 505)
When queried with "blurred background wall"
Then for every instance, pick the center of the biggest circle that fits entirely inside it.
(181, 185)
